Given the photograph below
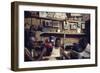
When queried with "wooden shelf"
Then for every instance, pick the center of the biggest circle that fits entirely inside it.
(52, 33)
(72, 21)
(63, 33)
(75, 33)
(54, 19)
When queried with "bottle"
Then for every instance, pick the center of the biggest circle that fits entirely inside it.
(78, 30)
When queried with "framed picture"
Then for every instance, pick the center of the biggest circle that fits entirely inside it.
(35, 49)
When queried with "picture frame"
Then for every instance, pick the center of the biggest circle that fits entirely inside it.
(18, 51)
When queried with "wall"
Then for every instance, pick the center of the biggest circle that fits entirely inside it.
(5, 38)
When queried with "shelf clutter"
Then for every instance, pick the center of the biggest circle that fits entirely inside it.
(47, 27)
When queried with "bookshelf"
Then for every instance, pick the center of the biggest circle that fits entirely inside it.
(55, 27)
